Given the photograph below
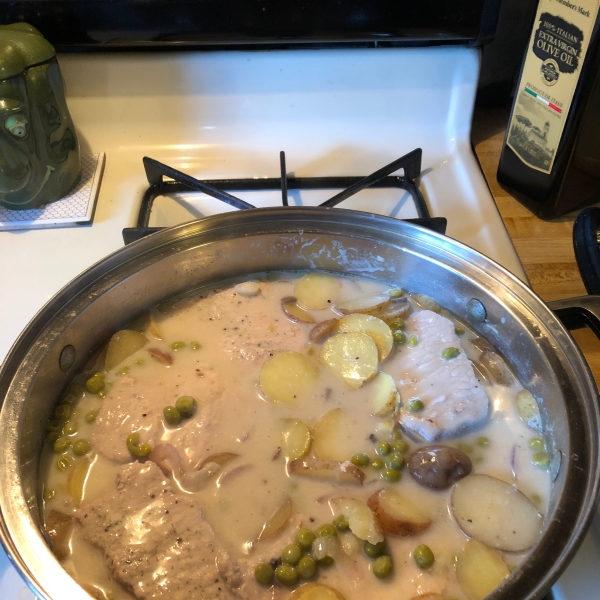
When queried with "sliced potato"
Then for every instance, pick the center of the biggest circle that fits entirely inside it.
(77, 480)
(122, 345)
(397, 514)
(328, 470)
(277, 522)
(375, 328)
(529, 410)
(297, 439)
(395, 308)
(354, 356)
(496, 513)
(361, 519)
(426, 303)
(332, 436)
(480, 570)
(367, 306)
(294, 312)
(384, 395)
(316, 591)
(321, 330)
(497, 368)
(316, 291)
(287, 377)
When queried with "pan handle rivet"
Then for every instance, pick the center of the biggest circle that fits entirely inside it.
(67, 358)
(476, 311)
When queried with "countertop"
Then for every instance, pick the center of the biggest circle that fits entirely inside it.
(544, 248)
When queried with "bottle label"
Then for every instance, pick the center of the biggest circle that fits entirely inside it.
(556, 52)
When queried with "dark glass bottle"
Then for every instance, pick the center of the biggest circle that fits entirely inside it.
(550, 159)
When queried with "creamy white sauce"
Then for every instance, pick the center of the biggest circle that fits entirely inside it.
(237, 418)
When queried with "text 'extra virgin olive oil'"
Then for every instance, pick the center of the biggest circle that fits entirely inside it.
(551, 154)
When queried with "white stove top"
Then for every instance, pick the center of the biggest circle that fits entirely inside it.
(219, 115)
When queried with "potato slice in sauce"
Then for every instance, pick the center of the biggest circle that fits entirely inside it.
(354, 356)
(287, 376)
(333, 436)
(375, 328)
(316, 591)
(362, 520)
(316, 291)
(496, 513)
(397, 514)
(480, 570)
(384, 395)
(122, 345)
(297, 439)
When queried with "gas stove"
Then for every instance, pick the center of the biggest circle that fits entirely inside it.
(219, 116)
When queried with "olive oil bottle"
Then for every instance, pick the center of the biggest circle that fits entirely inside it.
(550, 158)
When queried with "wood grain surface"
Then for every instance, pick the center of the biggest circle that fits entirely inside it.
(545, 248)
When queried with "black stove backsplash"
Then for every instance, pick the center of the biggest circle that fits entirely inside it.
(235, 24)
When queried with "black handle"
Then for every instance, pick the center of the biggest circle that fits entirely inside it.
(578, 312)
(586, 240)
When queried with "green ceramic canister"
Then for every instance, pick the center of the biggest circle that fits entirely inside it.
(39, 152)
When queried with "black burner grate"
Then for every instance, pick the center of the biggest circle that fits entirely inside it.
(218, 188)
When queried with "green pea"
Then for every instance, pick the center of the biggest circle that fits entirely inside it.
(383, 448)
(396, 293)
(537, 444)
(177, 346)
(95, 384)
(360, 460)
(63, 463)
(326, 561)
(326, 530)
(399, 337)
(483, 442)
(81, 447)
(185, 405)
(62, 413)
(382, 567)
(391, 475)
(423, 556)
(307, 567)
(61, 445)
(541, 460)
(341, 524)
(70, 428)
(395, 461)
(163, 307)
(413, 340)
(400, 446)
(76, 389)
(195, 346)
(54, 425)
(287, 575)
(123, 370)
(172, 415)
(415, 405)
(134, 446)
(536, 499)
(377, 464)
(458, 330)
(291, 554)
(374, 550)
(69, 398)
(396, 324)
(91, 416)
(305, 538)
(450, 353)
(49, 495)
(264, 573)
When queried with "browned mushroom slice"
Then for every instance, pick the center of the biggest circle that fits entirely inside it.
(295, 313)
(321, 330)
(164, 358)
(330, 470)
(58, 526)
(497, 368)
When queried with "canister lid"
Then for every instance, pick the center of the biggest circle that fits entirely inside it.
(21, 46)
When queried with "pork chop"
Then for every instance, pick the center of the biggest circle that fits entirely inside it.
(454, 400)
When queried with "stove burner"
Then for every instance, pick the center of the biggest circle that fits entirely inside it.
(216, 188)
